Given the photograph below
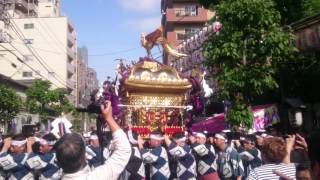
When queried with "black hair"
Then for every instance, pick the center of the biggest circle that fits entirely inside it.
(134, 135)
(18, 137)
(178, 135)
(157, 132)
(251, 138)
(94, 133)
(70, 151)
(49, 137)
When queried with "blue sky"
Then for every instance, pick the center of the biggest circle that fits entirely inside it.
(110, 26)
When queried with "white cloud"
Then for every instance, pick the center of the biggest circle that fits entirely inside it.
(142, 6)
(144, 24)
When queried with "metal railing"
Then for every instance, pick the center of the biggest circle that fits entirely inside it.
(183, 13)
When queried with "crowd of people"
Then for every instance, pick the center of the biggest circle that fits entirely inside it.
(182, 156)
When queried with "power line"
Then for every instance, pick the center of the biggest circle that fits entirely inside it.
(15, 28)
(54, 37)
(115, 52)
(45, 37)
(19, 59)
(103, 54)
(28, 65)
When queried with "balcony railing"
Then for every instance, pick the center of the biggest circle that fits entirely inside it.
(71, 39)
(71, 53)
(182, 13)
(71, 68)
(23, 4)
(182, 36)
(200, 15)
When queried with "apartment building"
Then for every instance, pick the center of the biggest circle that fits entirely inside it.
(49, 8)
(182, 19)
(20, 8)
(87, 78)
(92, 82)
(42, 46)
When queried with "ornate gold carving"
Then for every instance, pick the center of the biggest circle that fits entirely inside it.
(153, 66)
(155, 100)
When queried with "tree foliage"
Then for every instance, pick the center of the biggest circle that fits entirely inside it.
(290, 10)
(247, 52)
(10, 103)
(42, 100)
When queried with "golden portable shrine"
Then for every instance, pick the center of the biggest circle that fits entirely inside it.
(155, 97)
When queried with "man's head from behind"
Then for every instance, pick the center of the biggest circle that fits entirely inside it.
(70, 150)
(274, 150)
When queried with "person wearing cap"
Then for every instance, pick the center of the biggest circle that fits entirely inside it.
(45, 163)
(13, 156)
(228, 161)
(205, 157)
(249, 154)
(186, 168)
(135, 169)
(157, 157)
(93, 151)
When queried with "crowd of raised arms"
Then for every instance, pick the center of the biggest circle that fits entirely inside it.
(183, 156)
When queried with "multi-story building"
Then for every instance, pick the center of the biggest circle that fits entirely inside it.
(49, 8)
(87, 78)
(82, 64)
(41, 47)
(92, 82)
(182, 19)
(20, 8)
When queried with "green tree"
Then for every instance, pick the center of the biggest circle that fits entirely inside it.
(290, 10)
(10, 103)
(247, 52)
(295, 10)
(42, 100)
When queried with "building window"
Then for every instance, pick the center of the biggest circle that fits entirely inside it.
(26, 74)
(29, 26)
(51, 75)
(27, 58)
(190, 31)
(181, 36)
(28, 41)
(191, 10)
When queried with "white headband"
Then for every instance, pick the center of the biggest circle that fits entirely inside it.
(183, 139)
(200, 135)
(264, 135)
(45, 142)
(156, 137)
(131, 139)
(93, 137)
(219, 136)
(18, 143)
